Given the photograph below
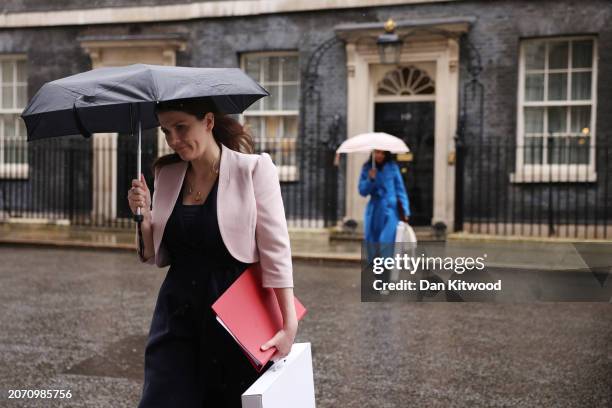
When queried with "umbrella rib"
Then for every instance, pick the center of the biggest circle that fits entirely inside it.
(112, 87)
(66, 89)
(154, 84)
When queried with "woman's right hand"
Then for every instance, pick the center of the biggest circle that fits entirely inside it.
(372, 173)
(140, 196)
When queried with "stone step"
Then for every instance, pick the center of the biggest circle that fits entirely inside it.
(423, 233)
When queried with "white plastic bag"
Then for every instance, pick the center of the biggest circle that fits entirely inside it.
(405, 241)
(405, 233)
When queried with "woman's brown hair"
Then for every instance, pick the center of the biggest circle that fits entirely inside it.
(226, 131)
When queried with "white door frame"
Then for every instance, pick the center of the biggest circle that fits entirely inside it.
(362, 60)
(378, 71)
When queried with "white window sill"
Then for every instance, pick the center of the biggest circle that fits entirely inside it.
(559, 175)
(14, 171)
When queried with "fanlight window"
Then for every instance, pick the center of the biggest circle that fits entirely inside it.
(406, 81)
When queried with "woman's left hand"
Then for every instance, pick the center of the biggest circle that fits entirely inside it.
(282, 340)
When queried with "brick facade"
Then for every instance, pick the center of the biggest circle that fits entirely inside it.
(55, 52)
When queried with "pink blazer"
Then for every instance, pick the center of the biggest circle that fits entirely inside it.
(250, 213)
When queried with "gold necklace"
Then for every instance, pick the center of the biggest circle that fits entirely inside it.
(198, 197)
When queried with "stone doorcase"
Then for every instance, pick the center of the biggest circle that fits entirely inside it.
(433, 46)
(108, 51)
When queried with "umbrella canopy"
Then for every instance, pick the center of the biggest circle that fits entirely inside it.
(366, 142)
(116, 99)
(123, 99)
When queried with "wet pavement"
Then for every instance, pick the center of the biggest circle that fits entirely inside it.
(77, 320)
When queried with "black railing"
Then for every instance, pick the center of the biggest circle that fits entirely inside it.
(84, 183)
(559, 188)
(556, 187)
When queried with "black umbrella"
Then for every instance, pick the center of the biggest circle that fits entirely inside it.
(122, 99)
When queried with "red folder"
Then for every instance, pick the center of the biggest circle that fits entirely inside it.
(251, 314)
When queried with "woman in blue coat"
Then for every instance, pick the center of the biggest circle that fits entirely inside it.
(384, 184)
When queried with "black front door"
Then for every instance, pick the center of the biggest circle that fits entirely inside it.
(413, 122)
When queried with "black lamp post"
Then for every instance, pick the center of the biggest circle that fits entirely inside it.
(389, 44)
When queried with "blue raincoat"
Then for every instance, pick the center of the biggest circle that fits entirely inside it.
(381, 213)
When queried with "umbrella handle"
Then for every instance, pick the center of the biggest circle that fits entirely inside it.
(138, 217)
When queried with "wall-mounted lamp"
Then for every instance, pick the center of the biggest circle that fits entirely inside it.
(389, 44)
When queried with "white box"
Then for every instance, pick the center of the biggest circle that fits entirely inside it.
(287, 383)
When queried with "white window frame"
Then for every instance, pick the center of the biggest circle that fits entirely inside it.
(537, 173)
(286, 172)
(11, 170)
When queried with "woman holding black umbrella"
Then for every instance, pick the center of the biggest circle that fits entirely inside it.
(216, 208)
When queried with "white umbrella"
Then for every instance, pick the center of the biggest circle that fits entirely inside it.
(367, 142)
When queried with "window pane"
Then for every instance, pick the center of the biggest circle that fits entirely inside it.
(22, 75)
(568, 150)
(557, 119)
(271, 67)
(22, 96)
(557, 151)
(582, 54)
(7, 96)
(290, 97)
(272, 127)
(287, 152)
(534, 87)
(21, 129)
(290, 68)
(267, 70)
(15, 149)
(579, 148)
(581, 85)
(9, 156)
(22, 157)
(291, 127)
(557, 54)
(15, 152)
(272, 102)
(272, 135)
(7, 72)
(9, 127)
(533, 150)
(252, 125)
(534, 55)
(557, 87)
(534, 120)
(581, 120)
(252, 67)
(290, 124)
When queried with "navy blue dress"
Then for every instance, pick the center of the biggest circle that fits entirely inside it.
(190, 359)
